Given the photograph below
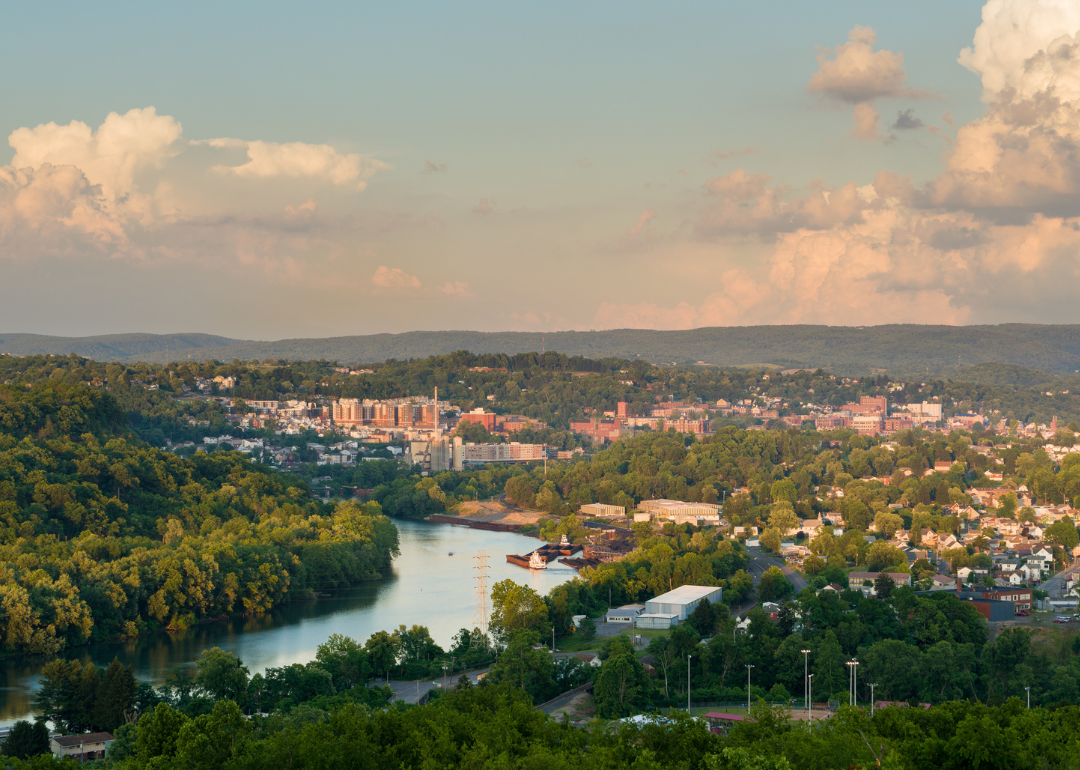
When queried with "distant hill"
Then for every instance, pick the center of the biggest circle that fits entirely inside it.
(906, 349)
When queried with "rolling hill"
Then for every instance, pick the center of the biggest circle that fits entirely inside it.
(897, 349)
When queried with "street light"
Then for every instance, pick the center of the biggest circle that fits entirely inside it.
(805, 673)
(852, 679)
(872, 698)
(688, 657)
(748, 667)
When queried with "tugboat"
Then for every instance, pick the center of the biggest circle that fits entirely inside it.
(536, 561)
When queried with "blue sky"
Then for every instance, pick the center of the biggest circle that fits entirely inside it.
(532, 166)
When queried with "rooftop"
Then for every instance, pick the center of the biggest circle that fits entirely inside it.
(68, 741)
(685, 594)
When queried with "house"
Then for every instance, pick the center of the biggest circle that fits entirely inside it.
(963, 573)
(942, 583)
(589, 659)
(864, 581)
(81, 748)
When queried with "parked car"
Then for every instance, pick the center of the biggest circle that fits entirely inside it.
(1022, 613)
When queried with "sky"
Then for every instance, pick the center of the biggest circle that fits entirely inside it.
(277, 170)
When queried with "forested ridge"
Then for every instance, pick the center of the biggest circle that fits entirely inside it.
(103, 535)
(898, 348)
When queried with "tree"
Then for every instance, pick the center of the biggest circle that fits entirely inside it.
(784, 490)
(828, 664)
(703, 618)
(884, 585)
(621, 686)
(522, 666)
(1064, 533)
(115, 696)
(773, 585)
(888, 523)
(782, 517)
(26, 739)
(587, 629)
(345, 659)
(382, 649)
(664, 653)
(514, 606)
(770, 538)
(221, 675)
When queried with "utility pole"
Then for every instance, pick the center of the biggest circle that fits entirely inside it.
(1028, 697)
(810, 713)
(806, 673)
(872, 699)
(748, 667)
(688, 657)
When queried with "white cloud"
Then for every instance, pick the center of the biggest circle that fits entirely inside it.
(997, 232)
(300, 160)
(854, 73)
(394, 278)
(110, 157)
(1016, 46)
(54, 209)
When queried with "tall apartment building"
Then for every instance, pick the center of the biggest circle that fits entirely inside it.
(494, 453)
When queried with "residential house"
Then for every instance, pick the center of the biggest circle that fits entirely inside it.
(81, 748)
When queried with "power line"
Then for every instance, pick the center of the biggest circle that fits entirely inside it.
(480, 614)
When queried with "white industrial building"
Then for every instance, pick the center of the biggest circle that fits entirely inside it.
(679, 512)
(599, 510)
(625, 614)
(672, 608)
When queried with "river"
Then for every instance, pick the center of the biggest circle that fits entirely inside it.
(426, 587)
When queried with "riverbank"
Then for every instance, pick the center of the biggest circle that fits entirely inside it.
(494, 516)
(426, 586)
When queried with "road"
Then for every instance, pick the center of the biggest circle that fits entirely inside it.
(1055, 586)
(410, 691)
(760, 562)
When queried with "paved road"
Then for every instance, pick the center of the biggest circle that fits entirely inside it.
(762, 562)
(1055, 586)
(411, 691)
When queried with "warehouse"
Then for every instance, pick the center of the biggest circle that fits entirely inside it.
(670, 609)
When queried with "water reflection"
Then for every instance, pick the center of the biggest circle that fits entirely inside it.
(428, 586)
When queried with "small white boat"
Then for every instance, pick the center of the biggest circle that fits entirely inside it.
(536, 561)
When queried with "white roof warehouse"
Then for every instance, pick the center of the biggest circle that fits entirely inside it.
(675, 606)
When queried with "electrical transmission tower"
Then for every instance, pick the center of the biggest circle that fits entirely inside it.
(480, 615)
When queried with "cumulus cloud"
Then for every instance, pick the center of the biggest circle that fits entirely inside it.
(483, 207)
(433, 168)
(854, 73)
(110, 156)
(394, 278)
(1019, 46)
(54, 209)
(300, 160)
(135, 185)
(996, 232)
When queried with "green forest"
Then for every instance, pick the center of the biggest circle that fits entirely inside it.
(104, 535)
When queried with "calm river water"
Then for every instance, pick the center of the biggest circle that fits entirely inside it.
(428, 587)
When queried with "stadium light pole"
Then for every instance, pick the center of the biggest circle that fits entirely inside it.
(810, 712)
(688, 657)
(872, 686)
(805, 673)
(1028, 696)
(748, 667)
